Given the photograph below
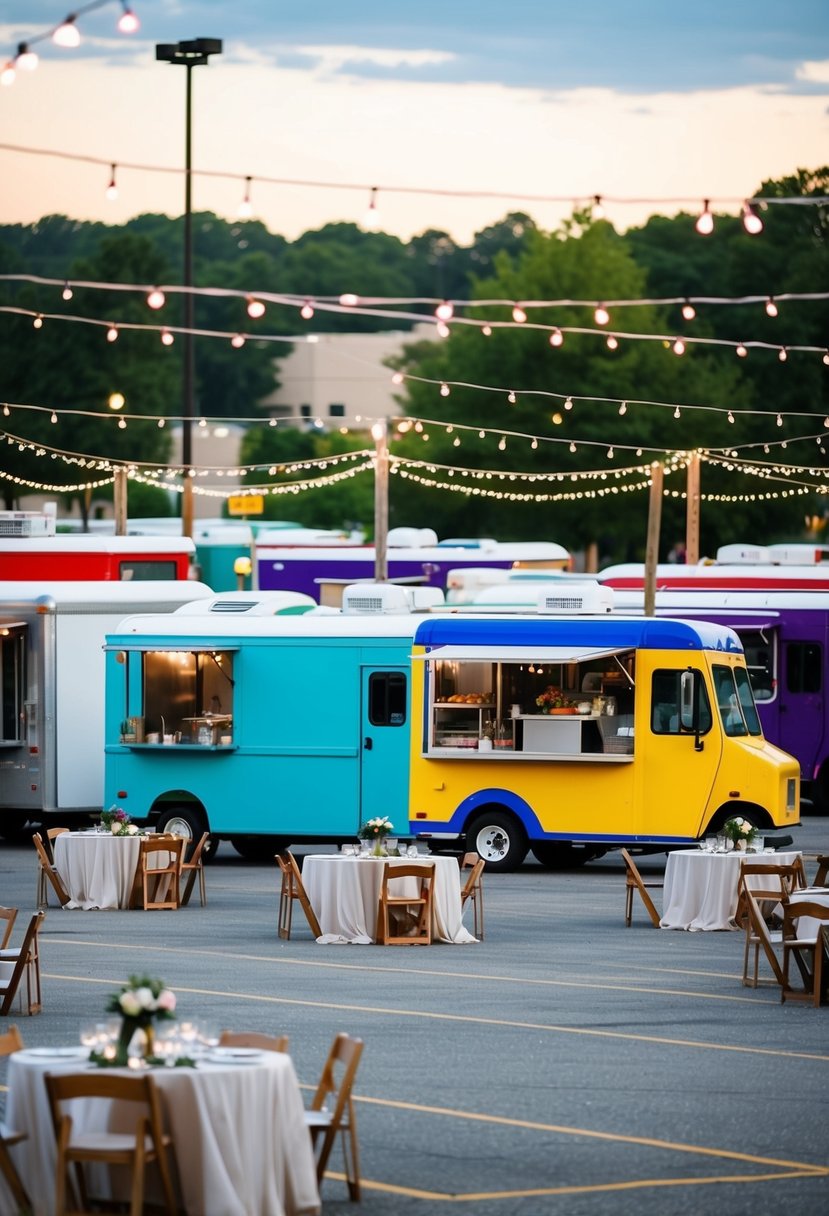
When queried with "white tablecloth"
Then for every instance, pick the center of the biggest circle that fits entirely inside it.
(345, 891)
(97, 868)
(241, 1144)
(701, 888)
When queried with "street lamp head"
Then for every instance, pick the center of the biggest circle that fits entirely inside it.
(192, 53)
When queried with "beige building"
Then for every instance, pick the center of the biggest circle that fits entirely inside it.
(340, 379)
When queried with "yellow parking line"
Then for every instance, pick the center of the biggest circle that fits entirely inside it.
(432, 1015)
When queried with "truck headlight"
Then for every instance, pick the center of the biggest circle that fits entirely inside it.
(791, 790)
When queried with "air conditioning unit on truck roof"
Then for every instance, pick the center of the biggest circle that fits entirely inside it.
(371, 599)
(589, 598)
(26, 523)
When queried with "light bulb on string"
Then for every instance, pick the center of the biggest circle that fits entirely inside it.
(612, 342)
(771, 307)
(573, 447)
(67, 34)
(518, 314)
(444, 311)
(237, 341)
(688, 311)
(128, 23)
(556, 338)
(486, 330)
(156, 299)
(610, 453)
(245, 208)
(601, 316)
(112, 333)
(779, 420)
(162, 422)
(116, 401)
(53, 418)
(568, 404)
(556, 419)
(122, 424)
(256, 308)
(8, 73)
(751, 220)
(397, 378)
(677, 413)
(443, 330)
(112, 187)
(678, 347)
(741, 351)
(482, 434)
(444, 389)
(167, 339)
(25, 59)
(348, 299)
(730, 417)
(307, 311)
(6, 411)
(826, 358)
(456, 442)
(534, 445)
(705, 221)
(502, 444)
(511, 397)
(371, 222)
(598, 207)
(38, 322)
(782, 354)
(623, 408)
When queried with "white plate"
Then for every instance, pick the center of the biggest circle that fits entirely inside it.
(58, 1053)
(234, 1055)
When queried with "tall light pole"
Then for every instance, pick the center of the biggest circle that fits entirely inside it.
(190, 55)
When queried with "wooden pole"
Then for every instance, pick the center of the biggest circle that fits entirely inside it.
(119, 501)
(652, 544)
(381, 501)
(692, 510)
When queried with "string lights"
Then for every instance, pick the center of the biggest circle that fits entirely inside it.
(704, 223)
(65, 35)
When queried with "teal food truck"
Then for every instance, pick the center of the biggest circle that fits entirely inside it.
(263, 730)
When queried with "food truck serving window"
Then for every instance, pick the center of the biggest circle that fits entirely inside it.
(188, 693)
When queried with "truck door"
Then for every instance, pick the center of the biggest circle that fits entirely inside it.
(801, 695)
(384, 786)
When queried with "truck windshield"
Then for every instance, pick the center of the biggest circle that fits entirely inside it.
(736, 701)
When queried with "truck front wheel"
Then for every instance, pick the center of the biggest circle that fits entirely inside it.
(498, 838)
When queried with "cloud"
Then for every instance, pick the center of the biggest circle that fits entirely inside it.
(814, 71)
(336, 58)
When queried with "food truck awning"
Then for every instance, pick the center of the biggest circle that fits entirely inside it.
(520, 654)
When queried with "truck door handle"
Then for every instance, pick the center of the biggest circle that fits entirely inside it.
(368, 744)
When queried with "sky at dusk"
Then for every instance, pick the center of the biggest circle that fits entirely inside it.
(638, 99)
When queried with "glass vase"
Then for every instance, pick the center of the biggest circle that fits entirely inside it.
(379, 849)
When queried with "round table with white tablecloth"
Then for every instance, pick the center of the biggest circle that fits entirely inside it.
(97, 868)
(239, 1134)
(345, 892)
(701, 888)
(808, 926)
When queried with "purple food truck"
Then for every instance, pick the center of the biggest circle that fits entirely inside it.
(414, 554)
(785, 635)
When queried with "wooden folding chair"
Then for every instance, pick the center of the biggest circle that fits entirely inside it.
(252, 1038)
(292, 888)
(771, 885)
(192, 869)
(635, 882)
(27, 962)
(7, 918)
(822, 875)
(147, 1144)
(473, 890)
(809, 952)
(160, 878)
(759, 935)
(400, 907)
(47, 874)
(323, 1124)
(10, 1041)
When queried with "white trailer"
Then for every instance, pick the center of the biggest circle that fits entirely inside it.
(52, 689)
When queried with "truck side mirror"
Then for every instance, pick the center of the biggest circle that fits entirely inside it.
(689, 694)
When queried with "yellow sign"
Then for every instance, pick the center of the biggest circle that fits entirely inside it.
(246, 504)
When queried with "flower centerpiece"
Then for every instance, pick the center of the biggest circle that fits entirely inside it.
(118, 822)
(140, 1002)
(740, 831)
(377, 830)
(552, 699)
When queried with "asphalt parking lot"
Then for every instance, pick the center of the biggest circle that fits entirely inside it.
(566, 1064)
